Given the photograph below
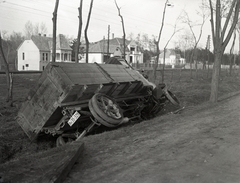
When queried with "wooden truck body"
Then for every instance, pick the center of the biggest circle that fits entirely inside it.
(73, 97)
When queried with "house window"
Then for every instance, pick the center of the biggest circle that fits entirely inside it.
(58, 56)
(43, 68)
(23, 67)
(23, 56)
(46, 56)
(27, 65)
(43, 56)
(132, 49)
(131, 59)
(65, 56)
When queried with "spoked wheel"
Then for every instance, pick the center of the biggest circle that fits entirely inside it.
(171, 97)
(106, 110)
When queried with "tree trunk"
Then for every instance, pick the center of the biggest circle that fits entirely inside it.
(158, 41)
(156, 62)
(123, 28)
(216, 76)
(86, 29)
(232, 52)
(8, 74)
(79, 31)
(220, 40)
(54, 19)
(164, 55)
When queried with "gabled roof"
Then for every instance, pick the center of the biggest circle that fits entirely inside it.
(42, 42)
(101, 46)
(45, 43)
(62, 43)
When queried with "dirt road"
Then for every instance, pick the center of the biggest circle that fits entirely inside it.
(200, 145)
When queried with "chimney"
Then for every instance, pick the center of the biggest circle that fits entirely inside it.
(112, 35)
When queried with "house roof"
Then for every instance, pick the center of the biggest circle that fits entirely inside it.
(101, 46)
(45, 43)
(42, 42)
(168, 53)
(62, 43)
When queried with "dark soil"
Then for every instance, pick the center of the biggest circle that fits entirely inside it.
(190, 92)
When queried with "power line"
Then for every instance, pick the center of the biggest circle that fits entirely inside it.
(95, 16)
(109, 11)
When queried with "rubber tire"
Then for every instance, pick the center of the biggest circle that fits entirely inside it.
(97, 117)
(102, 114)
(171, 97)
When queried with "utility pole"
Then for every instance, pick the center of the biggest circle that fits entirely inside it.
(54, 19)
(108, 40)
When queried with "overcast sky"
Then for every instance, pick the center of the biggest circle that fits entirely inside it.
(140, 16)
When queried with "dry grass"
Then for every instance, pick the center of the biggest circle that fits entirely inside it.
(15, 143)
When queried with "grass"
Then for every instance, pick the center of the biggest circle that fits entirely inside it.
(14, 142)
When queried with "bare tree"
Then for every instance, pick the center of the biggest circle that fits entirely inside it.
(86, 29)
(185, 41)
(238, 30)
(123, 28)
(191, 24)
(43, 28)
(158, 41)
(28, 30)
(79, 31)
(221, 38)
(10, 44)
(8, 74)
(232, 55)
(34, 29)
(54, 19)
(175, 30)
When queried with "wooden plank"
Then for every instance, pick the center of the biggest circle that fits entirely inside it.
(61, 169)
(96, 79)
(48, 166)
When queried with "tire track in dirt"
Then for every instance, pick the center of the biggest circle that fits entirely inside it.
(191, 147)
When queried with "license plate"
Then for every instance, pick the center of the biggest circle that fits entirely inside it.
(74, 118)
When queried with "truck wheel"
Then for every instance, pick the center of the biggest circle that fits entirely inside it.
(171, 97)
(107, 109)
(97, 117)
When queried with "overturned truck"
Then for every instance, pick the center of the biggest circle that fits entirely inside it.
(70, 99)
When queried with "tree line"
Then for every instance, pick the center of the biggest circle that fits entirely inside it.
(224, 19)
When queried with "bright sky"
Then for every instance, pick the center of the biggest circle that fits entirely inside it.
(140, 16)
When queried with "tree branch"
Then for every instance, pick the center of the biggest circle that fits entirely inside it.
(86, 28)
(228, 19)
(124, 34)
(235, 20)
(212, 22)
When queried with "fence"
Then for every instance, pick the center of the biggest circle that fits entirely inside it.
(150, 66)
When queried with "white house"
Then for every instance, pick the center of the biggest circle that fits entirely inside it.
(36, 53)
(171, 58)
(98, 51)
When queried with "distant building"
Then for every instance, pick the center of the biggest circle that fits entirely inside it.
(36, 53)
(171, 58)
(98, 51)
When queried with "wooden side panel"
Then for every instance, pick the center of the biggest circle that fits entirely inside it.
(83, 74)
(37, 110)
(63, 84)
